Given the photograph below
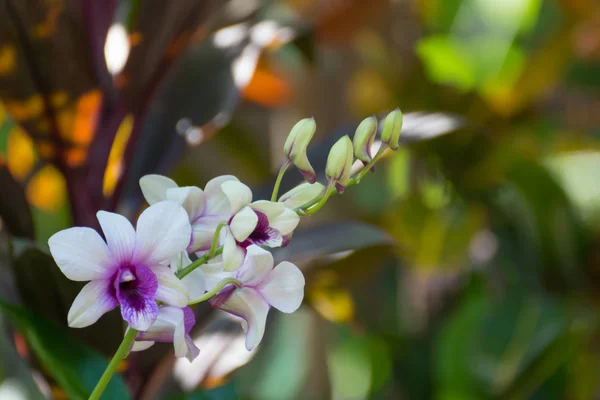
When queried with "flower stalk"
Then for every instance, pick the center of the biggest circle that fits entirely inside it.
(282, 171)
(208, 295)
(119, 356)
(200, 261)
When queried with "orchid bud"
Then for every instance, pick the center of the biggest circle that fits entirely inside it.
(302, 194)
(339, 163)
(363, 139)
(391, 129)
(296, 144)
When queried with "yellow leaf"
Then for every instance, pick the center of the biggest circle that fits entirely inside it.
(114, 165)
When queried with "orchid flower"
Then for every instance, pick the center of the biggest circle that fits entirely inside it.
(264, 223)
(130, 269)
(206, 209)
(172, 325)
(262, 287)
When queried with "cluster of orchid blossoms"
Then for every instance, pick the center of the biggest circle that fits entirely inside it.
(148, 271)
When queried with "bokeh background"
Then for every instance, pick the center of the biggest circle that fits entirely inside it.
(466, 267)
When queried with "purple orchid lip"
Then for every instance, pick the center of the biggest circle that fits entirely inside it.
(134, 288)
(263, 234)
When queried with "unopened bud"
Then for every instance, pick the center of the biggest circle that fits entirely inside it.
(296, 144)
(363, 139)
(302, 194)
(339, 163)
(391, 129)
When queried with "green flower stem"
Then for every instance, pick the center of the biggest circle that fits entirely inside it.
(201, 261)
(215, 240)
(282, 170)
(311, 207)
(119, 356)
(367, 168)
(216, 289)
(328, 192)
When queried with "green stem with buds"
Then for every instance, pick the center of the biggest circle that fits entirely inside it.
(317, 203)
(328, 192)
(282, 170)
(216, 289)
(119, 356)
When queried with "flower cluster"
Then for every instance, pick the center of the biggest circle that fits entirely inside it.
(148, 271)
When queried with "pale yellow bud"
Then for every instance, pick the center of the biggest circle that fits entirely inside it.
(296, 144)
(363, 139)
(391, 129)
(339, 162)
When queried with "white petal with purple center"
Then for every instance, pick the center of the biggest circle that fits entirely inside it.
(280, 217)
(81, 254)
(135, 288)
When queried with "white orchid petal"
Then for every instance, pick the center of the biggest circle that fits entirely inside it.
(214, 272)
(94, 300)
(248, 304)
(163, 328)
(163, 230)
(120, 236)
(179, 343)
(171, 290)
(154, 187)
(195, 283)
(233, 255)
(203, 230)
(285, 222)
(192, 350)
(238, 194)
(257, 265)
(216, 201)
(81, 254)
(191, 198)
(243, 223)
(181, 261)
(283, 288)
(140, 346)
(270, 208)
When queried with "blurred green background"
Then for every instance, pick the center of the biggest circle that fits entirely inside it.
(466, 267)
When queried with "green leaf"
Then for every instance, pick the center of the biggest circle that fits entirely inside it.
(75, 367)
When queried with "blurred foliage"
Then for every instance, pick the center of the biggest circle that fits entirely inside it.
(465, 267)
